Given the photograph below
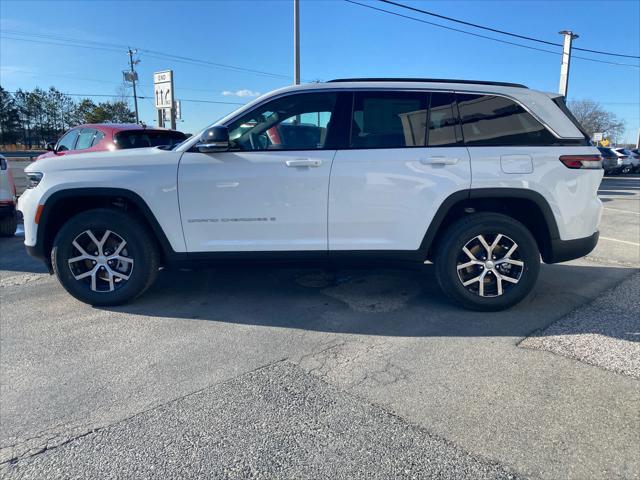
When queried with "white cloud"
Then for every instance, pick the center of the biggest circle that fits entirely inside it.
(241, 93)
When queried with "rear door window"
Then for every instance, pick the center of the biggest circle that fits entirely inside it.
(489, 120)
(98, 137)
(389, 119)
(85, 139)
(443, 121)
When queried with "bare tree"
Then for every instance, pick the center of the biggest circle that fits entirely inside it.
(595, 119)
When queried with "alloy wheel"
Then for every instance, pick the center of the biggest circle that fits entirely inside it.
(489, 265)
(102, 265)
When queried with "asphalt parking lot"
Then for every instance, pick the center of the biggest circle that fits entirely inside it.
(298, 374)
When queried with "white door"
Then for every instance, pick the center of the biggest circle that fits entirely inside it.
(269, 192)
(386, 188)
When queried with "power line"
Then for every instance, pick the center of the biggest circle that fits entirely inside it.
(74, 42)
(503, 32)
(484, 36)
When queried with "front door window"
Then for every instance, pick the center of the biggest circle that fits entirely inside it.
(294, 122)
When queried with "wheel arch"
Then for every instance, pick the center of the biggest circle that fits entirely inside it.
(527, 206)
(63, 204)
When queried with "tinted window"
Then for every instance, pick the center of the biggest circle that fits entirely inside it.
(68, 141)
(491, 120)
(85, 139)
(389, 119)
(294, 122)
(147, 138)
(99, 136)
(443, 122)
(3, 163)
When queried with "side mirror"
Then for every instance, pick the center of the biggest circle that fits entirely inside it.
(51, 147)
(214, 139)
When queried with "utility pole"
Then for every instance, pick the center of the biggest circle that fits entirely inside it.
(133, 81)
(569, 36)
(296, 42)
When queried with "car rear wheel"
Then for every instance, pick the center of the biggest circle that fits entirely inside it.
(105, 257)
(487, 261)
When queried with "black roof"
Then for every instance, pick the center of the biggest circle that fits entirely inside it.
(430, 80)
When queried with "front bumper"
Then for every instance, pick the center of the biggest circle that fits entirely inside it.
(565, 250)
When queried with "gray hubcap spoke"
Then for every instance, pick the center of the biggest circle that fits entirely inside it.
(103, 264)
(489, 265)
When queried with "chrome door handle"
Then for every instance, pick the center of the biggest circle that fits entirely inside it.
(303, 162)
(439, 161)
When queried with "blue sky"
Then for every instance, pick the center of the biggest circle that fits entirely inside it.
(338, 39)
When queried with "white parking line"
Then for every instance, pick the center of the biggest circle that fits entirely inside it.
(621, 241)
(620, 210)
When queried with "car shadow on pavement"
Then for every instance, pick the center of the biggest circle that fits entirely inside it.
(366, 301)
(14, 259)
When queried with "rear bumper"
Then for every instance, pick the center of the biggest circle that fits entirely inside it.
(565, 250)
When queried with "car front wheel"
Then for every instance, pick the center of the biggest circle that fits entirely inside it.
(105, 257)
(487, 261)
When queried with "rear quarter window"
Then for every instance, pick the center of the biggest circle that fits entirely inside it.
(490, 120)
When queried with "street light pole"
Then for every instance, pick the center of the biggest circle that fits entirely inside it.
(133, 81)
(566, 61)
(296, 42)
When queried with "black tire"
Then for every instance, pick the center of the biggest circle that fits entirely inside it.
(449, 255)
(140, 246)
(8, 225)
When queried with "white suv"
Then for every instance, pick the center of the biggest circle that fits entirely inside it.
(482, 178)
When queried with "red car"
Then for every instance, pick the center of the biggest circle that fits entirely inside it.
(111, 136)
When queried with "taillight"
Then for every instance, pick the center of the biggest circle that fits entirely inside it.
(582, 161)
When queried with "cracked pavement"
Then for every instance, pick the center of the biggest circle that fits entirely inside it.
(298, 374)
(273, 421)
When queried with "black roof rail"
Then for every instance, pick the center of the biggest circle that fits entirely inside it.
(429, 80)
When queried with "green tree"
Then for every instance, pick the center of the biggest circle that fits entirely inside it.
(33, 118)
(10, 131)
(83, 111)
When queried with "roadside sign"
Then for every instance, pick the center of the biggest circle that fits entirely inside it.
(178, 110)
(597, 137)
(163, 89)
(130, 76)
(605, 142)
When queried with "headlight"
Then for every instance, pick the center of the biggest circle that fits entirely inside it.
(33, 179)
